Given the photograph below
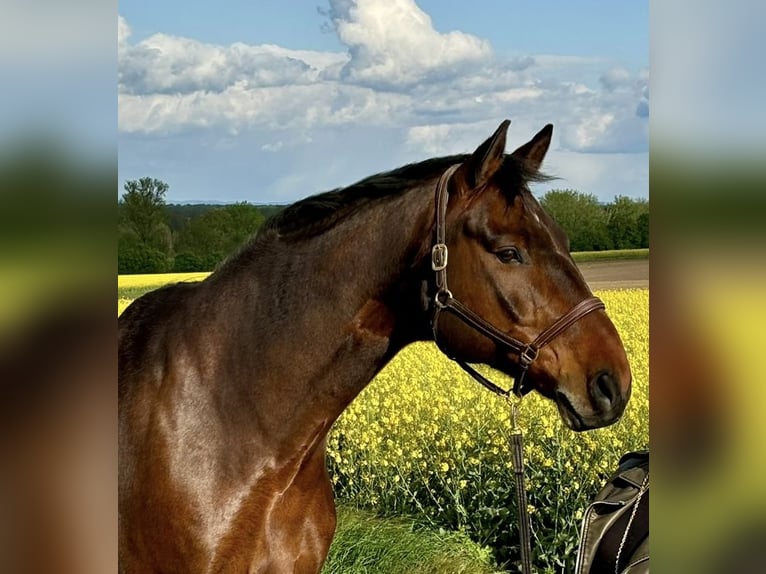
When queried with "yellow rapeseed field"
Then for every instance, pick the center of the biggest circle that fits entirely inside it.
(158, 279)
(150, 281)
(423, 438)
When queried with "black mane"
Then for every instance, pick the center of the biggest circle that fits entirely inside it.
(312, 216)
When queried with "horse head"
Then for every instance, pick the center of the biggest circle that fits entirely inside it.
(520, 303)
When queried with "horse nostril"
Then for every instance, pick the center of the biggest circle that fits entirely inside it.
(604, 390)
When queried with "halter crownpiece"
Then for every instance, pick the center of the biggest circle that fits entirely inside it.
(443, 300)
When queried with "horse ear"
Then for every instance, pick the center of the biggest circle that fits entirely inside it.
(533, 152)
(487, 159)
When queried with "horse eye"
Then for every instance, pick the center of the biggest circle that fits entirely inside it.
(509, 255)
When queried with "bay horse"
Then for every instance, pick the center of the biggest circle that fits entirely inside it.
(228, 387)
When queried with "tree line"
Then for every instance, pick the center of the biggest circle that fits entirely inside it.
(154, 237)
(593, 226)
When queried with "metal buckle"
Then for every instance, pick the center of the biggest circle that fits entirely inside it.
(447, 296)
(528, 355)
(439, 257)
(514, 401)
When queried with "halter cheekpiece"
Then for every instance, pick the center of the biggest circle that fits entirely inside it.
(443, 300)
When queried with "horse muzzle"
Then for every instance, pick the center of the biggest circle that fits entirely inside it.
(605, 404)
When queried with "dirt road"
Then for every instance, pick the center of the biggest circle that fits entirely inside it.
(629, 274)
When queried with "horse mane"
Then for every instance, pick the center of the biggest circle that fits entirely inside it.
(316, 214)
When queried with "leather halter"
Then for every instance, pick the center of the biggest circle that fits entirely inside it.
(444, 301)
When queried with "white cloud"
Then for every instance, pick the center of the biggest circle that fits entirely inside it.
(616, 78)
(591, 131)
(612, 131)
(123, 33)
(423, 92)
(273, 147)
(163, 64)
(613, 120)
(393, 43)
(301, 106)
(515, 95)
(170, 84)
(448, 139)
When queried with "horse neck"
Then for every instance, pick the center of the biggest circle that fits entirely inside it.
(325, 314)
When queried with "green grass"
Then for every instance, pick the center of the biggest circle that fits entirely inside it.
(365, 544)
(610, 255)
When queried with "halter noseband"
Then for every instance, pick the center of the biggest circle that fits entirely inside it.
(444, 301)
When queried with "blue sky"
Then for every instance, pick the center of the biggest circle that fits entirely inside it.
(274, 100)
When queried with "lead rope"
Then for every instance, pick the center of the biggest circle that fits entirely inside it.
(517, 449)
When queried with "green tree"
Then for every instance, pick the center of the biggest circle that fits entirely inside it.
(206, 240)
(581, 217)
(133, 256)
(145, 241)
(643, 228)
(626, 231)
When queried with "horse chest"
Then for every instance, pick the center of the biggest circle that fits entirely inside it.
(282, 526)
